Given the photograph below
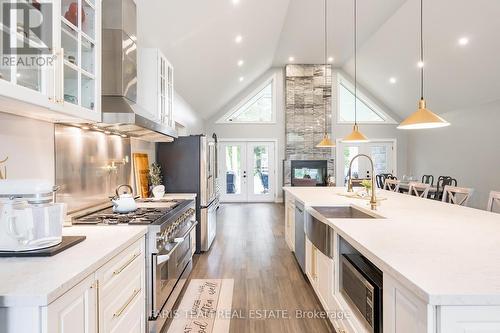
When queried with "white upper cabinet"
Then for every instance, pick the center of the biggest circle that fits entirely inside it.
(156, 86)
(64, 81)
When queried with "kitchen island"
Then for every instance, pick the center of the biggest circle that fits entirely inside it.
(440, 262)
(37, 293)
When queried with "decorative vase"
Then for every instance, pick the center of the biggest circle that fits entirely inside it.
(158, 191)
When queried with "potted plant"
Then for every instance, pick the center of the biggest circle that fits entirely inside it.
(367, 184)
(156, 179)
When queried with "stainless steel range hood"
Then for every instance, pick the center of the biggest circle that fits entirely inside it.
(120, 111)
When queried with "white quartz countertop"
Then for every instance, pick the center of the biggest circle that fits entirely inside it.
(445, 254)
(38, 281)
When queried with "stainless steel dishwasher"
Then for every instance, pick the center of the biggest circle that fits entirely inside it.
(300, 240)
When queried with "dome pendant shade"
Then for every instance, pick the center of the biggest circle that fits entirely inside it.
(326, 142)
(355, 136)
(423, 118)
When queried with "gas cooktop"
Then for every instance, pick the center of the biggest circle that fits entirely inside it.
(147, 215)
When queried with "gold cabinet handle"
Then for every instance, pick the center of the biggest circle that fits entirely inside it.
(124, 306)
(119, 270)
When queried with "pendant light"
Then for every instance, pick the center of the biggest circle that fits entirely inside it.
(326, 142)
(356, 135)
(423, 117)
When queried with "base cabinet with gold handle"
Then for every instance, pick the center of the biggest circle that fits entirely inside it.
(111, 299)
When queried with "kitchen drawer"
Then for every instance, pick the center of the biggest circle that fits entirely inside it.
(119, 270)
(124, 308)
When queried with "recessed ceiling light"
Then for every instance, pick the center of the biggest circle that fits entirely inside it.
(330, 59)
(420, 64)
(235, 2)
(291, 59)
(463, 41)
(393, 80)
(238, 39)
(241, 78)
(240, 63)
(18, 74)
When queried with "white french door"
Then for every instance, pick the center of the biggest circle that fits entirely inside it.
(247, 170)
(382, 152)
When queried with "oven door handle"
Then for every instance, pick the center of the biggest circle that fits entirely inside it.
(181, 239)
(161, 258)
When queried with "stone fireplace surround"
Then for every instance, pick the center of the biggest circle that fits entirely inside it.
(306, 95)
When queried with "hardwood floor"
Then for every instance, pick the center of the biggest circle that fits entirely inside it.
(250, 248)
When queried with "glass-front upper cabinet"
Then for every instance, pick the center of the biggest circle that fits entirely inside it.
(52, 58)
(79, 56)
(26, 51)
(165, 91)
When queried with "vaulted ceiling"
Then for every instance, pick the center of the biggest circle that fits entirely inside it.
(198, 37)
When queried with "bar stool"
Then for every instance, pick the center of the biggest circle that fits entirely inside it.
(457, 195)
(494, 200)
(392, 185)
(420, 190)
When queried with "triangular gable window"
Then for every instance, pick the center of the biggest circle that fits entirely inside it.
(367, 111)
(257, 107)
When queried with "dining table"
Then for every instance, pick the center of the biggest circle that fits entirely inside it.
(404, 186)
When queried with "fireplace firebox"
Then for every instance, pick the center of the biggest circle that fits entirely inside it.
(309, 172)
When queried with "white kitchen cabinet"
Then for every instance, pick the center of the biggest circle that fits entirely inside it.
(68, 88)
(110, 299)
(290, 223)
(404, 311)
(122, 290)
(75, 311)
(319, 270)
(156, 86)
(470, 319)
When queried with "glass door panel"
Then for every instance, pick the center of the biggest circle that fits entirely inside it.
(88, 55)
(69, 10)
(88, 19)
(261, 167)
(88, 92)
(232, 164)
(69, 42)
(70, 84)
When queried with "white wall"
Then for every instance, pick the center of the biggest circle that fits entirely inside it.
(468, 150)
(257, 131)
(185, 115)
(29, 144)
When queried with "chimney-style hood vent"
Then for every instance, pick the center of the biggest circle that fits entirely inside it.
(120, 111)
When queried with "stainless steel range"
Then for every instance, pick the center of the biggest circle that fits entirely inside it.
(169, 251)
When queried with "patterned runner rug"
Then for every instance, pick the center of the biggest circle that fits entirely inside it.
(204, 307)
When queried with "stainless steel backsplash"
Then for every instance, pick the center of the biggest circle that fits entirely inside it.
(89, 166)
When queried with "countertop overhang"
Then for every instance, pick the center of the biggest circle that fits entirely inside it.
(445, 254)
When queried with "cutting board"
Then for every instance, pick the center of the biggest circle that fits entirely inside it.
(141, 172)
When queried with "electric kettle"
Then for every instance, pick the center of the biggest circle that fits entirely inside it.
(124, 202)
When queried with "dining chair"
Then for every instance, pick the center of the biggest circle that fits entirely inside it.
(428, 179)
(494, 200)
(457, 195)
(392, 185)
(441, 183)
(380, 180)
(419, 189)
